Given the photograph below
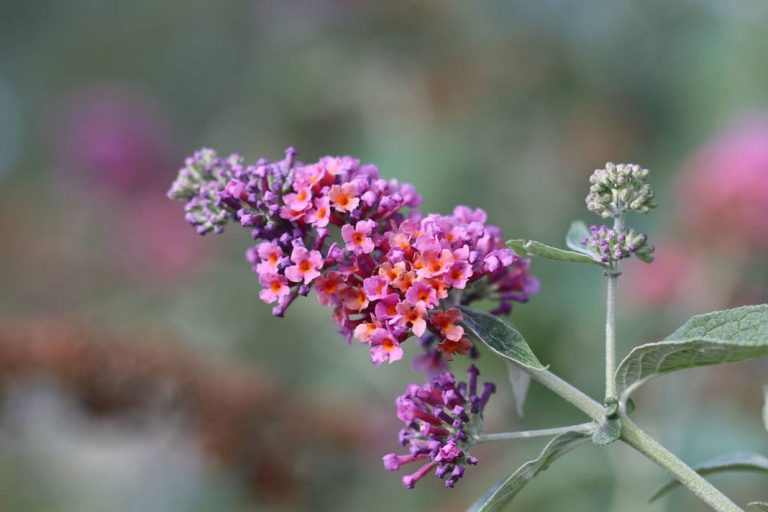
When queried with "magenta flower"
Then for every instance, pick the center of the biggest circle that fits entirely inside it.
(384, 347)
(396, 265)
(306, 265)
(442, 418)
(358, 237)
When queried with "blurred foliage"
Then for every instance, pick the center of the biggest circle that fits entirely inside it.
(504, 105)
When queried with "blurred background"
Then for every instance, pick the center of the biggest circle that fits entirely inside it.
(139, 370)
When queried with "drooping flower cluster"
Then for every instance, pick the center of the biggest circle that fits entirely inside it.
(388, 271)
(619, 188)
(611, 245)
(442, 418)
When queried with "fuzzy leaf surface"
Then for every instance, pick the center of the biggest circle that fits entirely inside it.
(751, 462)
(500, 337)
(504, 491)
(720, 337)
(540, 250)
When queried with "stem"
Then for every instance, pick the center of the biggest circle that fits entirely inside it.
(643, 443)
(528, 434)
(610, 334)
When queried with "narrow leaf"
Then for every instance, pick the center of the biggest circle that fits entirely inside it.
(576, 233)
(734, 462)
(502, 493)
(500, 337)
(520, 380)
(721, 337)
(540, 250)
(759, 505)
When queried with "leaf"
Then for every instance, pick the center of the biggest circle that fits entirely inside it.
(500, 337)
(520, 380)
(576, 233)
(721, 337)
(502, 493)
(540, 250)
(607, 432)
(759, 504)
(733, 462)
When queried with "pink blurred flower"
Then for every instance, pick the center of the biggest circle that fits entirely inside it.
(723, 190)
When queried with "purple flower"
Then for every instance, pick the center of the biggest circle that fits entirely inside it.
(442, 419)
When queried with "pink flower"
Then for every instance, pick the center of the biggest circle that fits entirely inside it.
(271, 255)
(433, 264)
(321, 215)
(306, 265)
(344, 197)
(421, 292)
(446, 323)
(357, 238)
(384, 347)
(414, 316)
(365, 330)
(375, 287)
(459, 274)
(328, 287)
(300, 200)
(386, 308)
(275, 288)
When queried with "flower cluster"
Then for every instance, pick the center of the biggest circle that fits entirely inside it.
(611, 245)
(387, 271)
(619, 188)
(442, 419)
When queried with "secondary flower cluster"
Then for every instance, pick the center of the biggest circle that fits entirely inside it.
(619, 188)
(442, 417)
(387, 271)
(612, 245)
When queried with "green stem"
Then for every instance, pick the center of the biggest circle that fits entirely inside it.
(610, 334)
(645, 444)
(528, 434)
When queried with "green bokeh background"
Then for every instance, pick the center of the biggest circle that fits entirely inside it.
(502, 105)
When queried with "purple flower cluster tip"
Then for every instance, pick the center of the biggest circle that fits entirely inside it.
(441, 418)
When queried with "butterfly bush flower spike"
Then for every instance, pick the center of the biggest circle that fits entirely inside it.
(441, 419)
(387, 270)
(619, 188)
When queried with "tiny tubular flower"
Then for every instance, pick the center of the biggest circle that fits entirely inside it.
(306, 265)
(275, 288)
(358, 237)
(344, 197)
(446, 322)
(384, 347)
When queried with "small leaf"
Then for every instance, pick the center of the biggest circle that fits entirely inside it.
(759, 505)
(576, 233)
(500, 337)
(607, 432)
(540, 250)
(721, 337)
(733, 462)
(520, 380)
(502, 493)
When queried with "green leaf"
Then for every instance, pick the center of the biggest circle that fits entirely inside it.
(540, 250)
(520, 380)
(576, 233)
(759, 504)
(607, 432)
(721, 337)
(734, 462)
(500, 337)
(502, 493)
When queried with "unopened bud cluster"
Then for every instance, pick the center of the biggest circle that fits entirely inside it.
(611, 245)
(619, 188)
